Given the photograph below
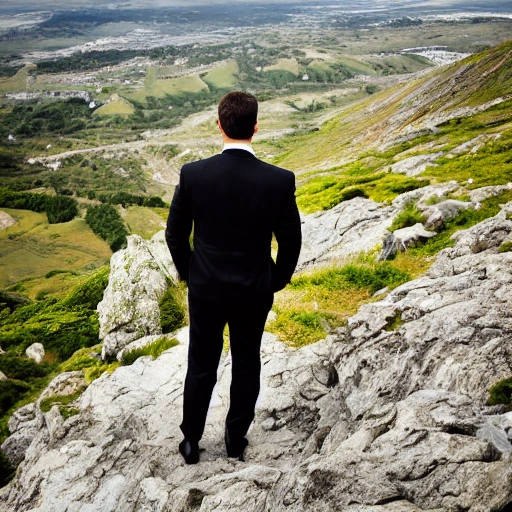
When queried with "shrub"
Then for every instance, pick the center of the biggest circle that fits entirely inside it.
(21, 368)
(106, 222)
(505, 247)
(6, 470)
(61, 209)
(172, 309)
(154, 349)
(10, 392)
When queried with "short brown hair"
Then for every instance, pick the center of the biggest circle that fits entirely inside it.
(238, 114)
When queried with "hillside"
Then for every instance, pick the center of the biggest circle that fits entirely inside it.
(387, 361)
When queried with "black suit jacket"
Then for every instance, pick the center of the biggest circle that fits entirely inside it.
(234, 202)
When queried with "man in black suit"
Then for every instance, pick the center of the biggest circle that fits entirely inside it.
(234, 202)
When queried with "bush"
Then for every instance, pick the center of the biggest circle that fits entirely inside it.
(21, 368)
(106, 222)
(61, 209)
(10, 392)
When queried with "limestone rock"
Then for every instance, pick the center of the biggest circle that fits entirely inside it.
(27, 421)
(6, 221)
(382, 415)
(421, 196)
(139, 276)
(436, 214)
(35, 352)
(400, 239)
(482, 193)
(2, 376)
(415, 165)
(351, 227)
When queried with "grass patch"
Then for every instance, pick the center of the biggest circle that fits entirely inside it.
(394, 322)
(505, 247)
(154, 349)
(223, 76)
(316, 302)
(31, 248)
(159, 88)
(173, 312)
(362, 277)
(290, 65)
(501, 393)
(300, 328)
(466, 218)
(62, 400)
(145, 222)
(116, 106)
(408, 217)
(325, 192)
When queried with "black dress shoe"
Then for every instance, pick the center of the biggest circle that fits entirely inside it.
(234, 448)
(190, 451)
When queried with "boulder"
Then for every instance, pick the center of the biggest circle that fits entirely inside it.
(6, 221)
(400, 239)
(437, 214)
(2, 376)
(35, 352)
(139, 276)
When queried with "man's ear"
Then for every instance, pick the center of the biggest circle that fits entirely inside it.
(219, 125)
(256, 128)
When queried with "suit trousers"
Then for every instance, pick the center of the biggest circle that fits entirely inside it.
(246, 322)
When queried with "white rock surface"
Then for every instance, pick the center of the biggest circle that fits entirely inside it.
(35, 352)
(436, 214)
(2, 376)
(351, 227)
(139, 276)
(369, 419)
(415, 165)
(6, 221)
(401, 239)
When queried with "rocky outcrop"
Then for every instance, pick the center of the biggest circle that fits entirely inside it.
(27, 421)
(351, 227)
(387, 414)
(138, 278)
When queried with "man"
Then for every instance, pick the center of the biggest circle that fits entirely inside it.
(234, 202)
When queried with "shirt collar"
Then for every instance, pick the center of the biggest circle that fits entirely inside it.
(238, 145)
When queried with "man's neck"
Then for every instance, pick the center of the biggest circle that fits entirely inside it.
(244, 145)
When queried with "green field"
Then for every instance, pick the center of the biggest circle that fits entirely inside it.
(159, 88)
(223, 76)
(32, 248)
(19, 82)
(290, 65)
(145, 221)
(117, 106)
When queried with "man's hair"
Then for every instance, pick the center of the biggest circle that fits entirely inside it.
(238, 114)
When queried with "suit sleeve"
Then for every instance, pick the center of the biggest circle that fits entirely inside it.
(179, 227)
(289, 238)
